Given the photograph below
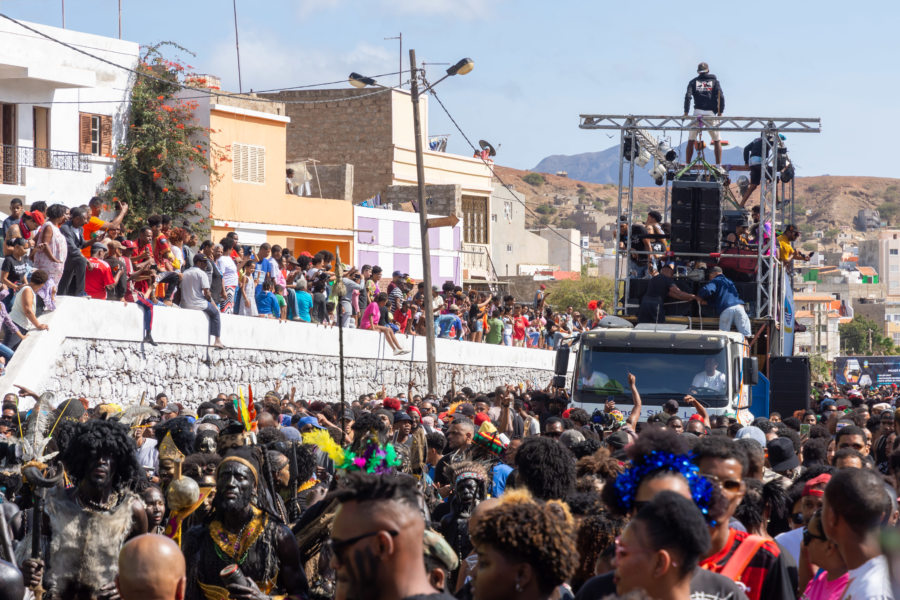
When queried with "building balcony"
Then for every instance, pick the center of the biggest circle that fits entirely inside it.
(14, 160)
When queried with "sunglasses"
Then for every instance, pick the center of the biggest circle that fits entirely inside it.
(552, 434)
(338, 547)
(729, 485)
(808, 536)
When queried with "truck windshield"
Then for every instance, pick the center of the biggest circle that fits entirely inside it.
(603, 373)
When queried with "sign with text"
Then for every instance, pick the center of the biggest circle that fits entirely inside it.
(867, 370)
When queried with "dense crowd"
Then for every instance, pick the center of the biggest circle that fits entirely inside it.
(509, 493)
(50, 250)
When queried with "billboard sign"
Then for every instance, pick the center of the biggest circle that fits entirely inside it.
(867, 370)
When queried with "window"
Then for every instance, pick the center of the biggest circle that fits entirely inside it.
(494, 218)
(894, 251)
(249, 163)
(95, 134)
(475, 219)
(509, 247)
(507, 210)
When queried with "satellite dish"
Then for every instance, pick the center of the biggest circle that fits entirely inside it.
(485, 145)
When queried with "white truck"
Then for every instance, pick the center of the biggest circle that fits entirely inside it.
(669, 362)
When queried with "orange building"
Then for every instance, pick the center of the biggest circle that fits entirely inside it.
(250, 195)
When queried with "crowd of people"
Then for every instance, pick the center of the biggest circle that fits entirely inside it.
(51, 250)
(509, 493)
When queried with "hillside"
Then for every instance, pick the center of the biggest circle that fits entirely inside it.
(603, 166)
(822, 203)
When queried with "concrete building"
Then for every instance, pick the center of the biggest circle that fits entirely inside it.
(511, 244)
(391, 239)
(249, 196)
(372, 129)
(883, 253)
(821, 315)
(564, 248)
(62, 113)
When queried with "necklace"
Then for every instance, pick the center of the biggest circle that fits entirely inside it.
(236, 546)
(95, 506)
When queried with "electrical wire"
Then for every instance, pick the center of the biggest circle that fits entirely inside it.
(203, 94)
(491, 167)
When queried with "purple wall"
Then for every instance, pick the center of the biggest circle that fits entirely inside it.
(401, 236)
(434, 238)
(367, 258)
(364, 237)
(401, 262)
(457, 233)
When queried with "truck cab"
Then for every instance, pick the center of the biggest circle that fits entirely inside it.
(669, 362)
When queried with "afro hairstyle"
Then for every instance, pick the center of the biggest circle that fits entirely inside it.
(182, 431)
(546, 468)
(102, 438)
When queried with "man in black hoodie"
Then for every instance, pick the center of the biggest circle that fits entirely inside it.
(709, 100)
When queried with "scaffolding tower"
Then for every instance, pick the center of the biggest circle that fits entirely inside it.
(636, 129)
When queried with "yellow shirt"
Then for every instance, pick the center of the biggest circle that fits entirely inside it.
(786, 252)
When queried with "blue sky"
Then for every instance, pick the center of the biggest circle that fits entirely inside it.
(539, 64)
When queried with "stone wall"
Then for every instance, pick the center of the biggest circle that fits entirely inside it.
(440, 199)
(92, 349)
(337, 131)
(118, 370)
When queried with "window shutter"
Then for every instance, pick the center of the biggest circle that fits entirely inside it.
(84, 133)
(248, 163)
(105, 135)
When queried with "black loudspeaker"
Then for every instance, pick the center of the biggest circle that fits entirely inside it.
(696, 216)
(789, 380)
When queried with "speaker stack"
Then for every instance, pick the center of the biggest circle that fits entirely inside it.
(696, 216)
(790, 384)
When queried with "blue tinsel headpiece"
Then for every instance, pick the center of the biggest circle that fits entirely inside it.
(628, 482)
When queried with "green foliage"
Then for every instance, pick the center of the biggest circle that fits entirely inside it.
(889, 211)
(545, 209)
(163, 146)
(819, 368)
(855, 337)
(567, 223)
(535, 179)
(578, 292)
(544, 220)
(600, 203)
(810, 246)
(831, 234)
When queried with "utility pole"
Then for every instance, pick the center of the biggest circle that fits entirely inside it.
(120, 19)
(423, 226)
(237, 47)
(399, 37)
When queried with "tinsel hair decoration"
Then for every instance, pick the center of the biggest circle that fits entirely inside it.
(375, 458)
(627, 483)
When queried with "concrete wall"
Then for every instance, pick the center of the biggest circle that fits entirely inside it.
(92, 350)
(328, 181)
(564, 248)
(439, 199)
(511, 243)
(345, 126)
(35, 71)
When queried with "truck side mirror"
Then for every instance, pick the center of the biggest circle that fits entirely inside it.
(561, 366)
(750, 367)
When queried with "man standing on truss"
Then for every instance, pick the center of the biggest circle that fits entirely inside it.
(709, 101)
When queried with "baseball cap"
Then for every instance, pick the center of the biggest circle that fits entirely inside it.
(309, 421)
(467, 410)
(821, 480)
(703, 68)
(401, 416)
(114, 244)
(781, 455)
(752, 433)
(399, 274)
(98, 246)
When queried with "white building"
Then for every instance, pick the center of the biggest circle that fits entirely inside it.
(820, 314)
(564, 248)
(61, 112)
(511, 244)
(884, 254)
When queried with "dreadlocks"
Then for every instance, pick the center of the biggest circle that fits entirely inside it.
(102, 438)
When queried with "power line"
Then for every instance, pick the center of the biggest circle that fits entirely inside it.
(202, 93)
(491, 168)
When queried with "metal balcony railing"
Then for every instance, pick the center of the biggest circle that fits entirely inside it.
(13, 158)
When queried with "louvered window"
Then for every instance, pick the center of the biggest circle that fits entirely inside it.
(249, 163)
(95, 134)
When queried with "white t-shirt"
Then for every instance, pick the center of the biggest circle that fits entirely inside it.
(871, 581)
(716, 381)
(193, 282)
(228, 269)
(791, 541)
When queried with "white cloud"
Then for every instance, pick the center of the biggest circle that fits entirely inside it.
(268, 62)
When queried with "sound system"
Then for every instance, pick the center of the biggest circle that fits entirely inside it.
(789, 382)
(696, 216)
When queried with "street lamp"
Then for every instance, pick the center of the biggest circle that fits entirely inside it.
(462, 67)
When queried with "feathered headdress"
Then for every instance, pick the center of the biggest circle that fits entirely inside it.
(374, 458)
(38, 429)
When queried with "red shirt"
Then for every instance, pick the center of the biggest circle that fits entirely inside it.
(766, 575)
(402, 318)
(96, 279)
(519, 326)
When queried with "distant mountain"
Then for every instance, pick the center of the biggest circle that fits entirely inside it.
(603, 166)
